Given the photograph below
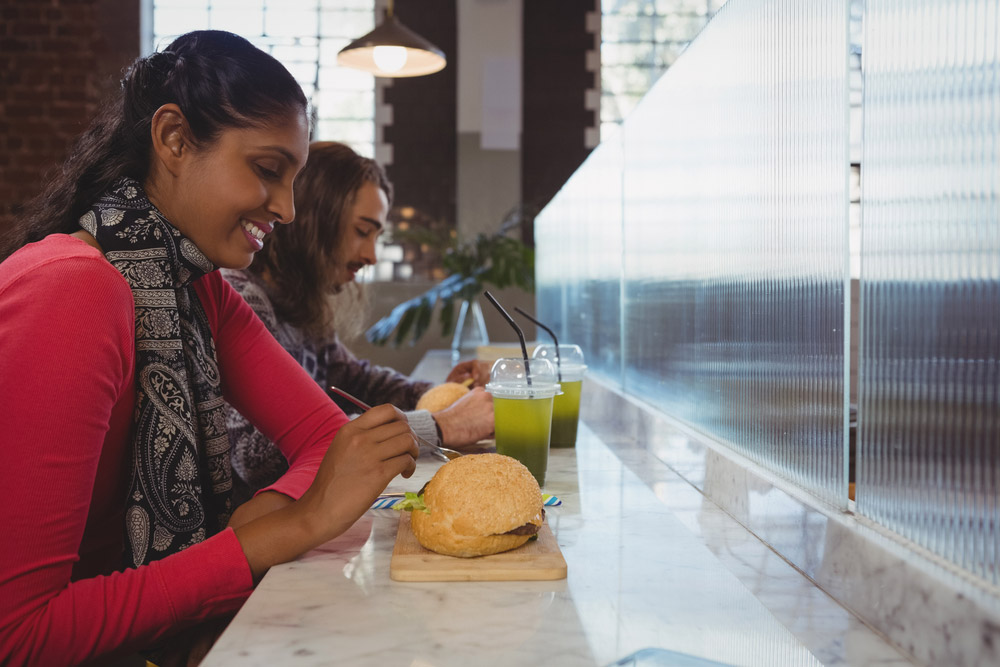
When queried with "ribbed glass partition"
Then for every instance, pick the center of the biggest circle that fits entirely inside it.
(929, 413)
(732, 259)
(578, 238)
(736, 255)
(732, 253)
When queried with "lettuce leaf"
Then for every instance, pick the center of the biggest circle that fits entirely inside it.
(410, 502)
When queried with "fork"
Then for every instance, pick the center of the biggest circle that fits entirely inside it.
(443, 453)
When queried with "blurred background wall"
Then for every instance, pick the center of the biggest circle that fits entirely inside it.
(57, 59)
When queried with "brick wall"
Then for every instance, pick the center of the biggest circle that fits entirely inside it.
(57, 59)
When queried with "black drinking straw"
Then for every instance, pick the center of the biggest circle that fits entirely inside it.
(520, 334)
(551, 333)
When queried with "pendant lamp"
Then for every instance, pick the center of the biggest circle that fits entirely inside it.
(392, 50)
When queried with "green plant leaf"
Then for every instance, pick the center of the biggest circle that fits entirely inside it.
(447, 317)
(405, 323)
(486, 260)
(424, 312)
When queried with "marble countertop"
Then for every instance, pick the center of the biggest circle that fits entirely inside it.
(644, 571)
(635, 579)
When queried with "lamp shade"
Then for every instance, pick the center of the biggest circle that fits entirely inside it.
(392, 50)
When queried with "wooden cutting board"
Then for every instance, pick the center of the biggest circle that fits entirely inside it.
(537, 560)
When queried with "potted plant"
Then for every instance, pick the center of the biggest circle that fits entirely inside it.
(496, 260)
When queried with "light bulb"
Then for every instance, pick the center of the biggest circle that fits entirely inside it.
(389, 58)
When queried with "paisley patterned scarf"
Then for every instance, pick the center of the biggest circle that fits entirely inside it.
(181, 480)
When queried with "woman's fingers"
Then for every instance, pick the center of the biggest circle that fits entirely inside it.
(406, 462)
(381, 437)
(365, 455)
(385, 427)
(380, 414)
(389, 430)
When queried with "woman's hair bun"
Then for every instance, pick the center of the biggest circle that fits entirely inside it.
(163, 60)
(152, 71)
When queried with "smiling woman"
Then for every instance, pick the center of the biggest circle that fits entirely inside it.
(118, 495)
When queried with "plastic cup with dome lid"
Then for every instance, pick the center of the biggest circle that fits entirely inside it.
(523, 391)
(570, 369)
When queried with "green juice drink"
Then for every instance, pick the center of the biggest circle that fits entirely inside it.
(570, 369)
(566, 414)
(522, 410)
(522, 428)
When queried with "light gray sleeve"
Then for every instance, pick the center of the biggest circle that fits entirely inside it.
(423, 424)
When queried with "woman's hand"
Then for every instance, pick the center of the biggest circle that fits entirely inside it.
(477, 371)
(466, 421)
(362, 459)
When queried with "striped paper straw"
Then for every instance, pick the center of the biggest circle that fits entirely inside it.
(388, 502)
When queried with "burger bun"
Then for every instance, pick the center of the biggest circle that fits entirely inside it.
(441, 396)
(477, 505)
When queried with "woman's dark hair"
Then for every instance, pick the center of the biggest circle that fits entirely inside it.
(218, 79)
(301, 260)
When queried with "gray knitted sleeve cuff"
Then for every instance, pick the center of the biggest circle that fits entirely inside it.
(423, 424)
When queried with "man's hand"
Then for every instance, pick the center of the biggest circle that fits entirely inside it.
(466, 421)
(477, 371)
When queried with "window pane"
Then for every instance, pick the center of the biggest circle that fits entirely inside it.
(667, 54)
(303, 72)
(173, 22)
(348, 25)
(627, 54)
(698, 7)
(640, 40)
(305, 36)
(630, 80)
(678, 28)
(343, 78)
(237, 20)
(347, 131)
(294, 5)
(301, 53)
(610, 108)
(337, 104)
(628, 7)
(329, 47)
(286, 23)
(616, 28)
(247, 6)
(346, 5)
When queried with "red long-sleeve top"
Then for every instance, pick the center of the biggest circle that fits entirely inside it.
(67, 392)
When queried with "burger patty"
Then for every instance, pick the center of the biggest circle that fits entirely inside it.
(526, 529)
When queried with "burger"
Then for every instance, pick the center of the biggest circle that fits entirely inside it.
(441, 396)
(477, 505)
